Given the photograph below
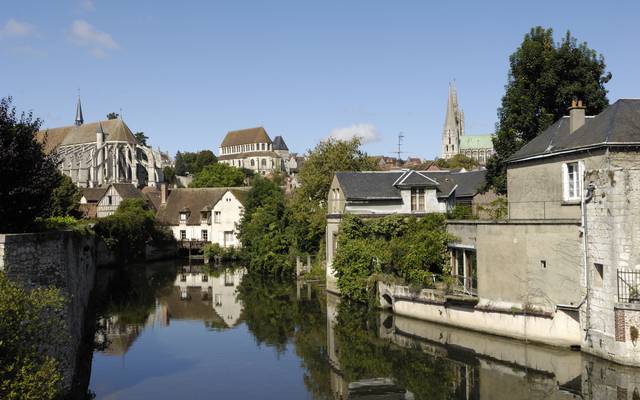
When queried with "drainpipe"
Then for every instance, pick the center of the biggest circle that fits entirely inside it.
(584, 199)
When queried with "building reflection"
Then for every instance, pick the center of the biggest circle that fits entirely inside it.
(196, 294)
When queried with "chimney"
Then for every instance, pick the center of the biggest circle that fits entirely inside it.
(576, 115)
(163, 194)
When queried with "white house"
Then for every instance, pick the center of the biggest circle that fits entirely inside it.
(204, 214)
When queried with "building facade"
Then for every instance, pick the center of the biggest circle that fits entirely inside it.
(454, 140)
(103, 152)
(209, 215)
(253, 149)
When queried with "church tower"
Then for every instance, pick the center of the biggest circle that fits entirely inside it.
(453, 125)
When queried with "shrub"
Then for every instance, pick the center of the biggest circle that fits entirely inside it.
(30, 321)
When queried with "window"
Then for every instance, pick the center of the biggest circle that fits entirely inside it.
(572, 181)
(599, 275)
(216, 217)
(204, 235)
(205, 278)
(417, 199)
(228, 278)
(253, 162)
(218, 299)
(264, 162)
(183, 217)
(183, 235)
(228, 238)
(183, 277)
(110, 200)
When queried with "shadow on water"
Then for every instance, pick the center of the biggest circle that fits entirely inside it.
(162, 325)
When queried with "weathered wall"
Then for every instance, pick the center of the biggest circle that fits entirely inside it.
(613, 231)
(535, 187)
(333, 225)
(65, 260)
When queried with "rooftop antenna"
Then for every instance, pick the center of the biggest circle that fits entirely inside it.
(399, 152)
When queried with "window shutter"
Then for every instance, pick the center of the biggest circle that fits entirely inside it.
(565, 182)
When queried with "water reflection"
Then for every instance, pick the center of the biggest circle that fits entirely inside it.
(167, 331)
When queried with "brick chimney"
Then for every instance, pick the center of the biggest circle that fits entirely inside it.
(163, 194)
(576, 115)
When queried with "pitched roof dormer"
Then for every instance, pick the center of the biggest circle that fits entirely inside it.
(412, 178)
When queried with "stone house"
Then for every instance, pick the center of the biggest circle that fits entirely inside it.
(89, 198)
(209, 215)
(563, 269)
(253, 149)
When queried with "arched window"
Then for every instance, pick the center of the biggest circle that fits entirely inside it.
(264, 162)
(253, 162)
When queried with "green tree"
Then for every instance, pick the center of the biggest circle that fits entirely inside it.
(141, 138)
(169, 175)
(193, 162)
(544, 78)
(457, 161)
(65, 198)
(27, 325)
(29, 176)
(113, 115)
(218, 175)
(309, 203)
(264, 229)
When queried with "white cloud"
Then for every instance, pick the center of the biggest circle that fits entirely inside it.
(366, 132)
(14, 28)
(84, 34)
(87, 5)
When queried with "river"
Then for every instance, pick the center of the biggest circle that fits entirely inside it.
(167, 331)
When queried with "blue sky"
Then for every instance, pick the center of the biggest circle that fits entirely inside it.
(187, 72)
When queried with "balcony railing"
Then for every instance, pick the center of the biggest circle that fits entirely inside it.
(628, 286)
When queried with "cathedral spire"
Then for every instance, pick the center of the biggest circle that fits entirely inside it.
(79, 119)
(453, 124)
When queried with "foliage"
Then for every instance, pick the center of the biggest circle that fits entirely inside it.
(113, 115)
(309, 204)
(457, 161)
(31, 322)
(192, 163)
(409, 248)
(544, 78)
(169, 175)
(127, 231)
(65, 198)
(498, 209)
(264, 231)
(461, 211)
(211, 250)
(218, 175)
(141, 138)
(29, 176)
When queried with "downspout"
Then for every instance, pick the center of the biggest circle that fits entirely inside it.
(584, 199)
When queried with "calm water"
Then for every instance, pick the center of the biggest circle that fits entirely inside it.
(173, 332)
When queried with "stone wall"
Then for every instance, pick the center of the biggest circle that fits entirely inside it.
(613, 231)
(65, 260)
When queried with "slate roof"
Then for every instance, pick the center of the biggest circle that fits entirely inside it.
(384, 185)
(279, 144)
(194, 199)
(246, 136)
(114, 129)
(473, 142)
(618, 124)
(469, 183)
(93, 195)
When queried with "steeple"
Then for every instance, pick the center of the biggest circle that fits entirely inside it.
(453, 124)
(79, 119)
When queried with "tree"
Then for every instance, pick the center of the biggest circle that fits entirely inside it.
(141, 138)
(310, 200)
(27, 327)
(29, 176)
(113, 115)
(192, 163)
(169, 175)
(65, 198)
(264, 232)
(457, 161)
(218, 175)
(544, 78)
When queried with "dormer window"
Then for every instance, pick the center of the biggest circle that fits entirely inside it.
(183, 217)
(417, 200)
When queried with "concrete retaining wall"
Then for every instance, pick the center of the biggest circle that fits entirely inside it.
(65, 260)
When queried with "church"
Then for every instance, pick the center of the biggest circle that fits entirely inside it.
(101, 153)
(454, 141)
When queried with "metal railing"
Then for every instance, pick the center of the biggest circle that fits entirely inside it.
(628, 286)
(465, 285)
